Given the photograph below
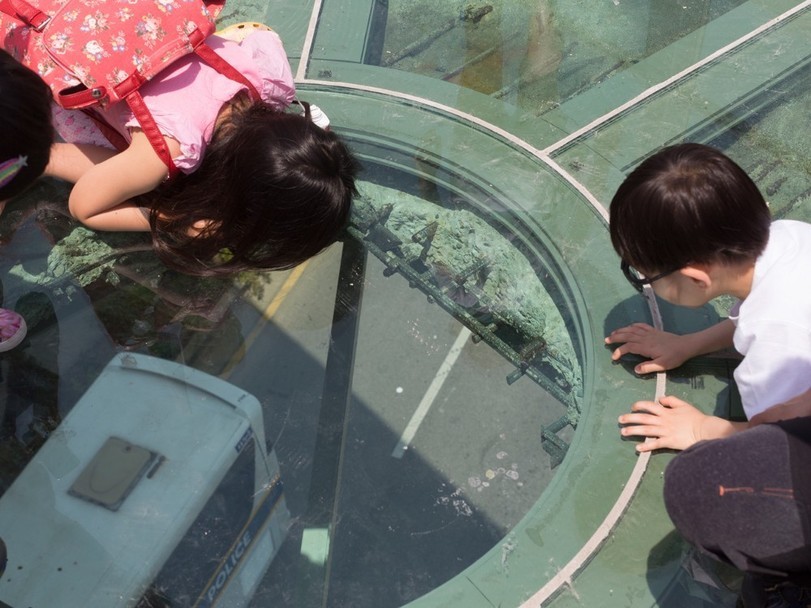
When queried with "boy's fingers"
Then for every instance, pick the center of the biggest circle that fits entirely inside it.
(636, 430)
(624, 334)
(629, 348)
(641, 430)
(648, 367)
(637, 418)
(672, 402)
(621, 351)
(648, 446)
(648, 407)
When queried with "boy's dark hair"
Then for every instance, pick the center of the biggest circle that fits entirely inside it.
(687, 204)
(274, 189)
(25, 111)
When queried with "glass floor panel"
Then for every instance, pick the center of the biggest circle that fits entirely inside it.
(424, 414)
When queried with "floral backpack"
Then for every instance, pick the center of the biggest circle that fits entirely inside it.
(96, 52)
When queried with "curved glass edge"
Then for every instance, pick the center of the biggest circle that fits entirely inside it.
(598, 463)
(348, 34)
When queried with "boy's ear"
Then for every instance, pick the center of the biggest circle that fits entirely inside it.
(699, 273)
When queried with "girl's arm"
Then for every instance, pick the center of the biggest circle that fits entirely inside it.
(105, 181)
(70, 161)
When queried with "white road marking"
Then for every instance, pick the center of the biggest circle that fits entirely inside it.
(430, 395)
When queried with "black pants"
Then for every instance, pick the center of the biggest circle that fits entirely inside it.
(746, 499)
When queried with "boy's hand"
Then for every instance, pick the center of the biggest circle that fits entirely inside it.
(671, 423)
(797, 407)
(665, 350)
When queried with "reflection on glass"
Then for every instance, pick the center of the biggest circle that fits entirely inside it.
(535, 54)
(766, 142)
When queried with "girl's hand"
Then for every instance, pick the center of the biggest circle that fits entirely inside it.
(797, 407)
(671, 423)
(665, 350)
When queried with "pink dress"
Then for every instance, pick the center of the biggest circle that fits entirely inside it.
(186, 98)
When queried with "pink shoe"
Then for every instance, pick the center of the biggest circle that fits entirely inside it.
(12, 329)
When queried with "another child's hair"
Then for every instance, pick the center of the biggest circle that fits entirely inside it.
(26, 132)
(688, 203)
(273, 190)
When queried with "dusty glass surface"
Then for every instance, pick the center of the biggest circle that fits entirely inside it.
(770, 122)
(535, 55)
(91, 297)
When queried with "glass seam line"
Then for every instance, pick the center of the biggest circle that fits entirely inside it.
(565, 575)
(506, 135)
(301, 77)
(675, 78)
(307, 46)
(545, 154)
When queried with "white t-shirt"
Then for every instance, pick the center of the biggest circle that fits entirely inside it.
(773, 323)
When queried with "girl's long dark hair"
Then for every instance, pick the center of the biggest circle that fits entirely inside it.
(25, 112)
(273, 190)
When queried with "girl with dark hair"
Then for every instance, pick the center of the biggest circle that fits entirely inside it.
(260, 187)
(694, 226)
(26, 136)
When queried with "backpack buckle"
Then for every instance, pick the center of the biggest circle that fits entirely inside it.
(42, 25)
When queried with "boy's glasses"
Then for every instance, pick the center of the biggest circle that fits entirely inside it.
(640, 282)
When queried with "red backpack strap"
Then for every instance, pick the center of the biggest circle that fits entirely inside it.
(114, 137)
(207, 54)
(25, 12)
(151, 130)
(129, 91)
